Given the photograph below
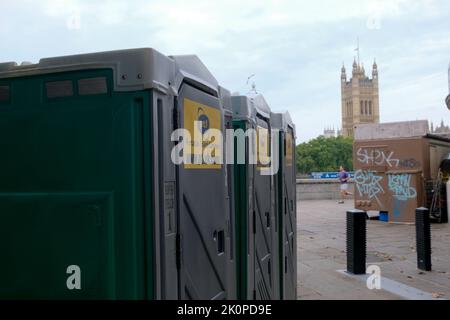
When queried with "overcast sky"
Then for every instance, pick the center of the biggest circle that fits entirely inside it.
(295, 48)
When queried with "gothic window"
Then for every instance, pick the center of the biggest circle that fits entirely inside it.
(370, 107)
(361, 107)
(365, 108)
(348, 109)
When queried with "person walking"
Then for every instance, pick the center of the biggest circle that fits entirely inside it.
(344, 177)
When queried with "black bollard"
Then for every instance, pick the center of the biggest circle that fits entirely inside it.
(356, 241)
(423, 239)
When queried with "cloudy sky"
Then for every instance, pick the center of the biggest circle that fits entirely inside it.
(294, 48)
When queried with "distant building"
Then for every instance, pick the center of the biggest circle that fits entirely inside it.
(329, 133)
(360, 98)
(441, 129)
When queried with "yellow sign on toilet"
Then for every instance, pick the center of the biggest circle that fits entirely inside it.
(206, 118)
(263, 147)
(289, 150)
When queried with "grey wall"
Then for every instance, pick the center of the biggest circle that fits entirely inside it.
(308, 189)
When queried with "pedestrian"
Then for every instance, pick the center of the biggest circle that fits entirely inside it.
(344, 177)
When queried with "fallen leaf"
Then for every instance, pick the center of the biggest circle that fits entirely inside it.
(437, 295)
(421, 272)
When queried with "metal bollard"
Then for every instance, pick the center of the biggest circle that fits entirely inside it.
(356, 241)
(423, 239)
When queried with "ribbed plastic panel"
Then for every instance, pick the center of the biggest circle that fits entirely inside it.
(356, 242)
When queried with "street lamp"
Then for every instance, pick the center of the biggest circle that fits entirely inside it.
(447, 101)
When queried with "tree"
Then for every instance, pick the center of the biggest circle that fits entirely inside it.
(325, 155)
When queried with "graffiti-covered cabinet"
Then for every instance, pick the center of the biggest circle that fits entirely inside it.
(391, 173)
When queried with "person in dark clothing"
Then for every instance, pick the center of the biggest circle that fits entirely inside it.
(344, 177)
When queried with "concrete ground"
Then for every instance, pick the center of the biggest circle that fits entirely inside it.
(321, 231)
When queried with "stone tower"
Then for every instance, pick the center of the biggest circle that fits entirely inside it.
(360, 98)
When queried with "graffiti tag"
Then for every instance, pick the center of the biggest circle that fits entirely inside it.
(409, 163)
(368, 184)
(400, 185)
(377, 157)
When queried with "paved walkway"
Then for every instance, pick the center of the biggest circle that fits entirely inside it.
(321, 252)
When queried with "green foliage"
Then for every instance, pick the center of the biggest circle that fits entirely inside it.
(324, 155)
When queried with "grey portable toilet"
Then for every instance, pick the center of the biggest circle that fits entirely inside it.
(285, 185)
(256, 222)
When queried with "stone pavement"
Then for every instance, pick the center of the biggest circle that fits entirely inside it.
(321, 252)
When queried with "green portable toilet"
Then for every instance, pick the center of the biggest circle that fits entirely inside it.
(285, 185)
(91, 205)
(256, 221)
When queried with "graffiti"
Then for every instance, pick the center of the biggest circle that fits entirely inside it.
(400, 185)
(368, 184)
(409, 163)
(377, 157)
(399, 209)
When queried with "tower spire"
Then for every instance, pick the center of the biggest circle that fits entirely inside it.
(357, 49)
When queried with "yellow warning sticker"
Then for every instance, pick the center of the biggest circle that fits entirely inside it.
(263, 147)
(289, 149)
(198, 119)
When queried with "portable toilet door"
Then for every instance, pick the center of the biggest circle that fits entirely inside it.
(265, 221)
(290, 212)
(202, 201)
(285, 185)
